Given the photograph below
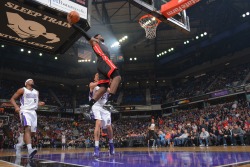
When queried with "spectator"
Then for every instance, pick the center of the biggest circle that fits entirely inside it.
(227, 135)
(161, 139)
(204, 136)
(214, 136)
(205, 126)
(194, 137)
(247, 136)
(168, 137)
(237, 133)
(181, 139)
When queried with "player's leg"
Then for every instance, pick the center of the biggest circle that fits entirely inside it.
(27, 137)
(148, 137)
(116, 79)
(107, 70)
(111, 142)
(106, 122)
(26, 122)
(29, 132)
(20, 143)
(97, 137)
(63, 145)
(155, 139)
(97, 117)
(102, 83)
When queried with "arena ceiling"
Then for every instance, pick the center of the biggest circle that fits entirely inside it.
(117, 18)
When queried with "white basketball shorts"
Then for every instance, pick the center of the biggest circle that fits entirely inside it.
(29, 118)
(102, 114)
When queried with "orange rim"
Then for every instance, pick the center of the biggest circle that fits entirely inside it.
(149, 15)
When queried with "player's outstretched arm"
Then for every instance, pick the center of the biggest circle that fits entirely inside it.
(91, 40)
(13, 99)
(92, 85)
(84, 33)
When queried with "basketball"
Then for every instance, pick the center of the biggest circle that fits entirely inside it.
(73, 17)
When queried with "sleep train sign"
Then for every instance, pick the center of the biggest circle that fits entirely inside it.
(28, 26)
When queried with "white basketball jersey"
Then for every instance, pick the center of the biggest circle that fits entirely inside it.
(63, 139)
(29, 100)
(102, 100)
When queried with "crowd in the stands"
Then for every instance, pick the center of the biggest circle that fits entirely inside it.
(221, 124)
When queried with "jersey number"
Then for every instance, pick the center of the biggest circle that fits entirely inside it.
(34, 100)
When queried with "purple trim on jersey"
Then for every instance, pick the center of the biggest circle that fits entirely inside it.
(24, 121)
(90, 94)
(22, 100)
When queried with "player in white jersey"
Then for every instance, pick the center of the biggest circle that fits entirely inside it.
(29, 99)
(102, 118)
(63, 141)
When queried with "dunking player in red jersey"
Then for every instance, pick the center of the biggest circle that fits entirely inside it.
(105, 67)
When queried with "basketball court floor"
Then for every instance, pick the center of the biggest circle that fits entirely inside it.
(133, 157)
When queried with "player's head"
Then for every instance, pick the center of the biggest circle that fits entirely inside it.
(96, 78)
(99, 37)
(29, 82)
(152, 121)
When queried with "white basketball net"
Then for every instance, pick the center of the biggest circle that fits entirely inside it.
(149, 23)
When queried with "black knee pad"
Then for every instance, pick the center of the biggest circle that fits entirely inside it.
(106, 85)
(115, 74)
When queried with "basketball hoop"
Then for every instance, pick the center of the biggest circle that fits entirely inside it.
(149, 23)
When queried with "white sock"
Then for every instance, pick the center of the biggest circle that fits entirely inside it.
(96, 143)
(110, 140)
(19, 144)
(29, 146)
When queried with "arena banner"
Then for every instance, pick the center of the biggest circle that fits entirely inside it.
(81, 2)
(48, 108)
(67, 6)
(182, 102)
(29, 26)
(198, 98)
(5, 103)
(176, 6)
(239, 89)
(45, 2)
(220, 93)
